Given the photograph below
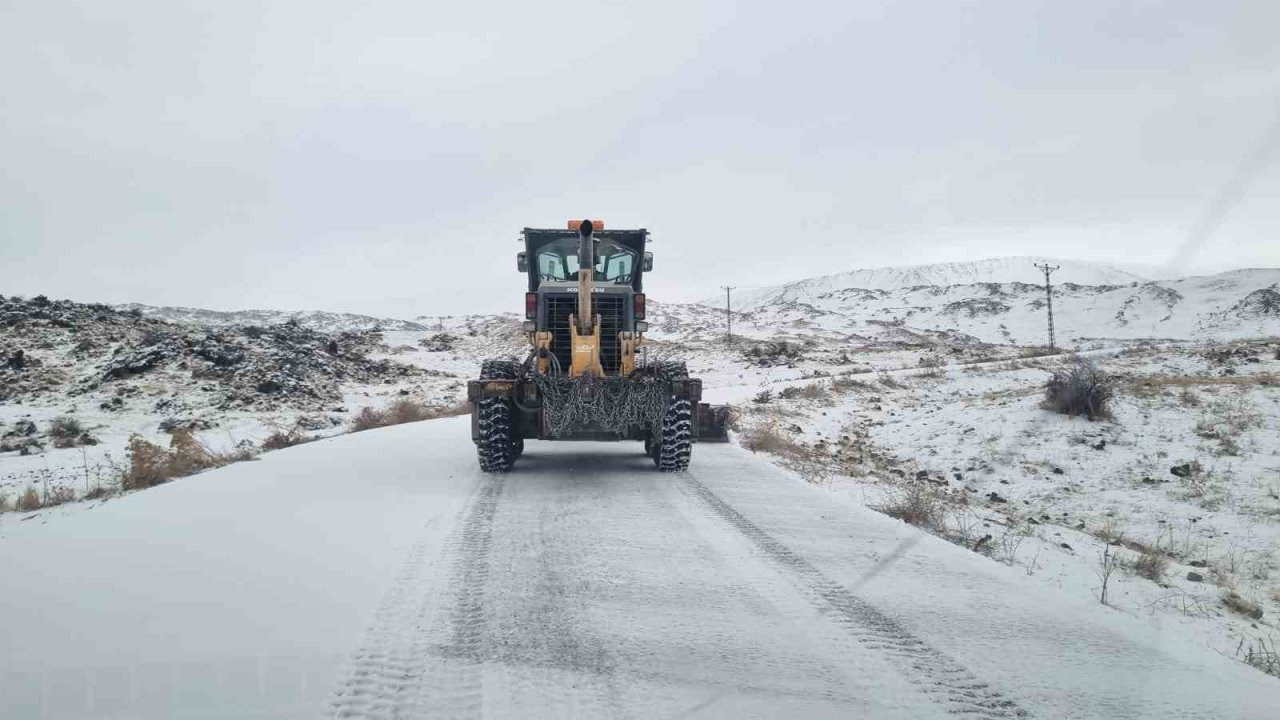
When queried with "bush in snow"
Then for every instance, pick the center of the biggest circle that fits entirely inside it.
(281, 439)
(150, 465)
(934, 366)
(919, 503)
(1151, 564)
(1079, 389)
(403, 411)
(1260, 655)
(67, 432)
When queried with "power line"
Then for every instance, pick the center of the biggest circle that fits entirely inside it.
(1048, 269)
(728, 315)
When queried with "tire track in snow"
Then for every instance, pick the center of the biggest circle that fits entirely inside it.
(399, 662)
(453, 684)
(938, 676)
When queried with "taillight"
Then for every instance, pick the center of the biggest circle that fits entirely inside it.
(639, 306)
(531, 305)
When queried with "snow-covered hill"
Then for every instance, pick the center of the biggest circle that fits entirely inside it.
(312, 319)
(995, 270)
(1235, 304)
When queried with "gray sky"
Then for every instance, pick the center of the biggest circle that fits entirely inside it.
(381, 157)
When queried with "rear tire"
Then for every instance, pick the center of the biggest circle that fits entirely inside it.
(677, 437)
(497, 447)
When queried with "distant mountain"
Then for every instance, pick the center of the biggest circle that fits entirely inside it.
(995, 270)
(312, 319)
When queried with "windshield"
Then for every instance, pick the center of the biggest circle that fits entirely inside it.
(558, 260)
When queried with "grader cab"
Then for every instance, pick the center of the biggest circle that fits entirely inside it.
(588, 374)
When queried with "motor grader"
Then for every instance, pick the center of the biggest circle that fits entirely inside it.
(589, 374)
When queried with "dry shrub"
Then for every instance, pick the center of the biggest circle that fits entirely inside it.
(1079, 389)
(846, 384)
(1037, 351)
(768, 439)
(368, 419)
(889, 381)
(281, 439)
(4, 502)
(1226, 420)
(150, 465)
(1151, 564)
(1237, 604)
(934, 366)
(812, 463)
(1189, 398)
(62, 428)
(29, 500)
(403, 411)
(812, 391)
(68, 432)
(1260, 655)
(919, 503)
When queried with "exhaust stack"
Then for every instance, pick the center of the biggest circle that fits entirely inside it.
(586, 275)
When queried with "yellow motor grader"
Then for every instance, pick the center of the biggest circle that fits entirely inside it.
(588, 375)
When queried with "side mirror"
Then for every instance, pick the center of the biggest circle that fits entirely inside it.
(522, 262)
(648, 261)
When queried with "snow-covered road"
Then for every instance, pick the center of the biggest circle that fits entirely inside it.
(381, 575)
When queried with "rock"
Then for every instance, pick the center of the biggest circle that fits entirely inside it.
(922, 475)
(135, 363)
(1199, 563)
(1066, 547)
(1059, 471)
(17, 360)
(112, 405)
(1149, 481)
(1195, 577)
(1101, 445)
(995, 498)
(1184, 470)
(23, 428)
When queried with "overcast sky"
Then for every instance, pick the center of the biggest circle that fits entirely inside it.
(382, 157)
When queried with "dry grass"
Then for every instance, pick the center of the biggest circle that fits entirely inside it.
(1037, 351)
(403, 411)
(1151, 564)
(918, 503)
(1260, 654)
(889, 381)
(1232, 601)
(934, 366)
(812, 391)
(27, 501)
(1205, 380)
(149, 464)
(846, 384)
(281, 439)
(768, 438)
(813, 463)
(1226, 421)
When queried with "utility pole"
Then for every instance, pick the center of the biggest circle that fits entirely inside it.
(728, 316)
(1048, 269)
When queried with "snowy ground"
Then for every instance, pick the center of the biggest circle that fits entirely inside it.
(1048, 494)
(381, 575)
